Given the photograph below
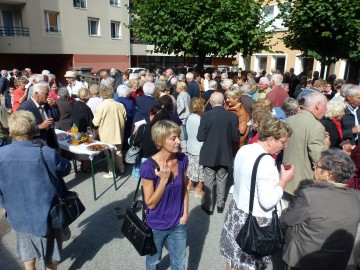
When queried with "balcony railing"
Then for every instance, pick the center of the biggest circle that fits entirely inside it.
(14, 31)
(52, 29)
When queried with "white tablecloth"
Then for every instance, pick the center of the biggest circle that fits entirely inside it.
(81, 149)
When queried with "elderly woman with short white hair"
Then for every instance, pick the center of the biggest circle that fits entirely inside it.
(123, 93)
(144, 103)
(331, 121)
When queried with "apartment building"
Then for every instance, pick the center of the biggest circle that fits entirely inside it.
(64, 35)
(283, 58)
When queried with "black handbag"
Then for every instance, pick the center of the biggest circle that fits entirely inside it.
(256, 240)
(134, 152)
(67, 207)
(136, 230)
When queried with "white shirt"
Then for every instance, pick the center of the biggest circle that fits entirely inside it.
(74, 88)
(267, 192)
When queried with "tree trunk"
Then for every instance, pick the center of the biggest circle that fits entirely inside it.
(200, 64)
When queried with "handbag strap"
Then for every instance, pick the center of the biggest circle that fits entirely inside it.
(136, 133)
(253, 181)
(51, 176)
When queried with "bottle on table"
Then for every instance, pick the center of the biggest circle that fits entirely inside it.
(74, 135)
(90, 134)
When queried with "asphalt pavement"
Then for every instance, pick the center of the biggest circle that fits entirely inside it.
(96, 240)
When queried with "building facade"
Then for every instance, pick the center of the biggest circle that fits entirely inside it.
(64, 35)
(283, 58)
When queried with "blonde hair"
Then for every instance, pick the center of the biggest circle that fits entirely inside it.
(163, 129)
(106, 92)
(22, 125)
(84, 94)
(273, 127)
(263, 104)
(235, 94)
(181, 86)
(197, 105)
(94, 90)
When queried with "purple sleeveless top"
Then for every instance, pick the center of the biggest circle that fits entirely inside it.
(170, 208)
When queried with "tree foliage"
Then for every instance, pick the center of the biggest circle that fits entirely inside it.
(327, 30)
(200, 28)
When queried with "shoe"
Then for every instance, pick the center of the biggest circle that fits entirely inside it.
(208, 212)
(199, 194)
(108, 175)
(220, 209)
(231, 189)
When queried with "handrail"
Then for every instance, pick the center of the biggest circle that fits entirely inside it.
(14, 31)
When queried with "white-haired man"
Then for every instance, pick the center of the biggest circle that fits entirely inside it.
(218, 129)
(306, 143)
(4, 82)
(213, 85)
(116, 76)
(192, 86)
(350, 122)
(263, 88)
(46, 113)
(277, 94)
(246, 99)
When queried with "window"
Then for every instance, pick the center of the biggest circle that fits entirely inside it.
(80, 3)
(93, 25)
(115, 30)
(269, 13)
(52, 22)
(116, 3)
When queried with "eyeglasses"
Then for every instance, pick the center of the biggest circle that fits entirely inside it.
(282, 142)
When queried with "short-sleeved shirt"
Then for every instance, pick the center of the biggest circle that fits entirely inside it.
(170, 208)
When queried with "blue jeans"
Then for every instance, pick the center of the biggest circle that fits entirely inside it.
(176, 243)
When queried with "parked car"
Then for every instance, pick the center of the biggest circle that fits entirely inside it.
(135, 70)
(223, 68)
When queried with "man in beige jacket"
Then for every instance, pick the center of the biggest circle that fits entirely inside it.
(306, 143)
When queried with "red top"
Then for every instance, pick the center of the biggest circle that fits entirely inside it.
(277, 95)
(338, 126)
(18, 93)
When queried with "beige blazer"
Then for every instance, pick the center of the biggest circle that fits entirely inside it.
(110, 117)
(303, 148)
(323, 223)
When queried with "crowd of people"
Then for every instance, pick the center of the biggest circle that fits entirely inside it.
(200, 135)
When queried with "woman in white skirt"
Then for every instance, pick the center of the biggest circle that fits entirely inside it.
(273, 135)
(195, 172)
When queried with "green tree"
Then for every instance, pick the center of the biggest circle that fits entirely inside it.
(327, 30)
(201, 28)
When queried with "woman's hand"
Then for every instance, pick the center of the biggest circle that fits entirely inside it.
(184, 218)
(163, 172)
(286, 175)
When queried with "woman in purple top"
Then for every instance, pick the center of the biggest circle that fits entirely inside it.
(166, 196)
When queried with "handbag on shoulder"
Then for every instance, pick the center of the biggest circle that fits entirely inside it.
(67, 208)
(136, 230)
(134, 152)
(256, 240)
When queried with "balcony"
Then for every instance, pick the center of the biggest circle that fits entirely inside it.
(53, 30)
(14, 32)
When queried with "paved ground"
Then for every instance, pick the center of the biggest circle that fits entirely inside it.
(96, 241)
